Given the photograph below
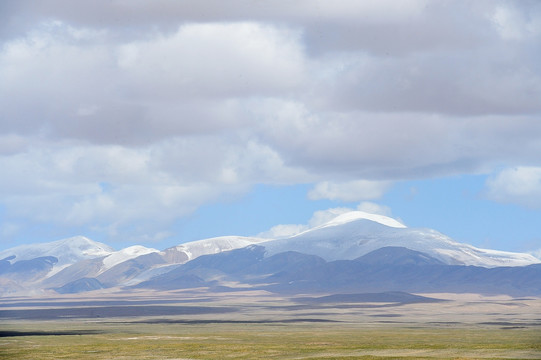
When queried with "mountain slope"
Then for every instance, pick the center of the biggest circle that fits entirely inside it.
(124, 255)
(393, 256)
(127, 270)
(90, 268)
(80, 285)
(28, 270)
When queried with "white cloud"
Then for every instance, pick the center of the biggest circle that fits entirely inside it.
(321, 217)
(281, 231)
(114, 188)
(373, 208)
(349, 191)
(318, 218)
(519, 185)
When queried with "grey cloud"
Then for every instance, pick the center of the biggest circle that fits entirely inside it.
(399, 145)
(126, 14)
(461, 85)
(138, 92)
(460, 26)
(382, 27)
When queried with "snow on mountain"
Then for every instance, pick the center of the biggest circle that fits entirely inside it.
(118, 262)
(354, 234)
(191, 250)
(126, 254)
(67, 251)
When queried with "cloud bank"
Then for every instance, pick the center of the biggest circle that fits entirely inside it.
(129, 115)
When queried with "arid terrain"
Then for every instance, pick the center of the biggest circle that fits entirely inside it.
(253, 325)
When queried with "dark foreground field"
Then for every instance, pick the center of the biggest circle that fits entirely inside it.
(260, 326)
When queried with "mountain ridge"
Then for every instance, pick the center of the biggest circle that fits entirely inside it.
(349, 242)
(360, 236)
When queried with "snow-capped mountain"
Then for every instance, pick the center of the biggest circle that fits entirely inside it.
(66, 251)
(331, 255)
(186, 252)
(357, 233)
(99, 266)
(24, 268)
(191, 250)
(137, 263)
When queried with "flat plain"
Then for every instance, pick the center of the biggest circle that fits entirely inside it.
(257, 325)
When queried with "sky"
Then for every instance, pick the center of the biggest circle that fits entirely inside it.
(161, 122)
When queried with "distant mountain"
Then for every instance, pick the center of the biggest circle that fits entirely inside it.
(28, 265)
(66, 251)
(114, 268)
(126, 254)
(383, 270)
(382, 297)
(127, 270)
(205, 269)
(357, 233)
(356, 252)
(192, 250)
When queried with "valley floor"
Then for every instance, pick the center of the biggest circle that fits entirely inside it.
(250, 325)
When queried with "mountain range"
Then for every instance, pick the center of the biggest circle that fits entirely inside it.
(355, 252)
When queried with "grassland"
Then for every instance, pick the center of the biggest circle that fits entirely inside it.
(263, 327)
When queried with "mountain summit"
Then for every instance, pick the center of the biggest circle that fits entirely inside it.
(66, 251)
(356, 233)
(361, 215)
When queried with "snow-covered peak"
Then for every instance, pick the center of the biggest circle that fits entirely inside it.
(346, 238)
(361, 215)
(215, 245)
(125, 254)
(67, 251)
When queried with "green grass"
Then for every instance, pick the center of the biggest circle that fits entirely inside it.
(269, 341)
(461, 329)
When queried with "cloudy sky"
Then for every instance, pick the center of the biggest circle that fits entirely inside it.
(161, 122)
